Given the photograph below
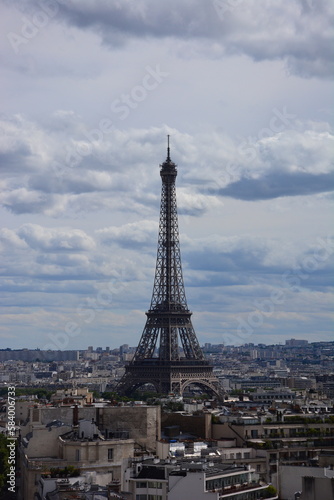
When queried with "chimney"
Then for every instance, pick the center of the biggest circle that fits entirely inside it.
(75, 416)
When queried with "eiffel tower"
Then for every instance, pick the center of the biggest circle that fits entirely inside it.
(168, 368)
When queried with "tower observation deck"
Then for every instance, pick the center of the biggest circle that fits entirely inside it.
(159, 359)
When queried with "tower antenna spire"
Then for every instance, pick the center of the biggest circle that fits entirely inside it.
(168, 149)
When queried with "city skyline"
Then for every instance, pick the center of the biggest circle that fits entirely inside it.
(286, 343)
(90, 92)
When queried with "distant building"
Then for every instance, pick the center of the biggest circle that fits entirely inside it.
(296, 343)
(328, 388)
(37, 355)
(81, 396)
(300, 383)
(255, 382)
(268, 397)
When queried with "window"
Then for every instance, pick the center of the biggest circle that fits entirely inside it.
(110, 454)
(141, 497)
(141, 484)
(77, 455)
(154, 484)
(35, 415)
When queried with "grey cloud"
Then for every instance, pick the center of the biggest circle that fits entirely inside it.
(277, 185)
(289, 163)
(298, 31)
(78, 181)
(14, 160)
(143, 18)
(258, 263)
(218, 269)
(22, 285)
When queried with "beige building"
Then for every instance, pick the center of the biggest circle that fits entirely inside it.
(142, 423)
(88, 439)
(48, 450)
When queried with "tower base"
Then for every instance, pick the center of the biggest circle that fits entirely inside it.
(169, 376)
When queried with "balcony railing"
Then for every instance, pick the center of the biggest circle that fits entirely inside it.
(236, 488)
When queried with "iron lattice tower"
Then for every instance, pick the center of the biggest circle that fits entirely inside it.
(163, 363)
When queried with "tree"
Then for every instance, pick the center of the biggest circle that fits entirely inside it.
(4, 465)
(270, 492)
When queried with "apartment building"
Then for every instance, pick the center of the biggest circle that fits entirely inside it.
(172, 480)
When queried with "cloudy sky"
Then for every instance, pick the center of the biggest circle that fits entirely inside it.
(89, 91)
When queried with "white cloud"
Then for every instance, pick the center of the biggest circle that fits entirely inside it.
(55, 239)
(9, 238)
(133, 234)
(287, 163)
